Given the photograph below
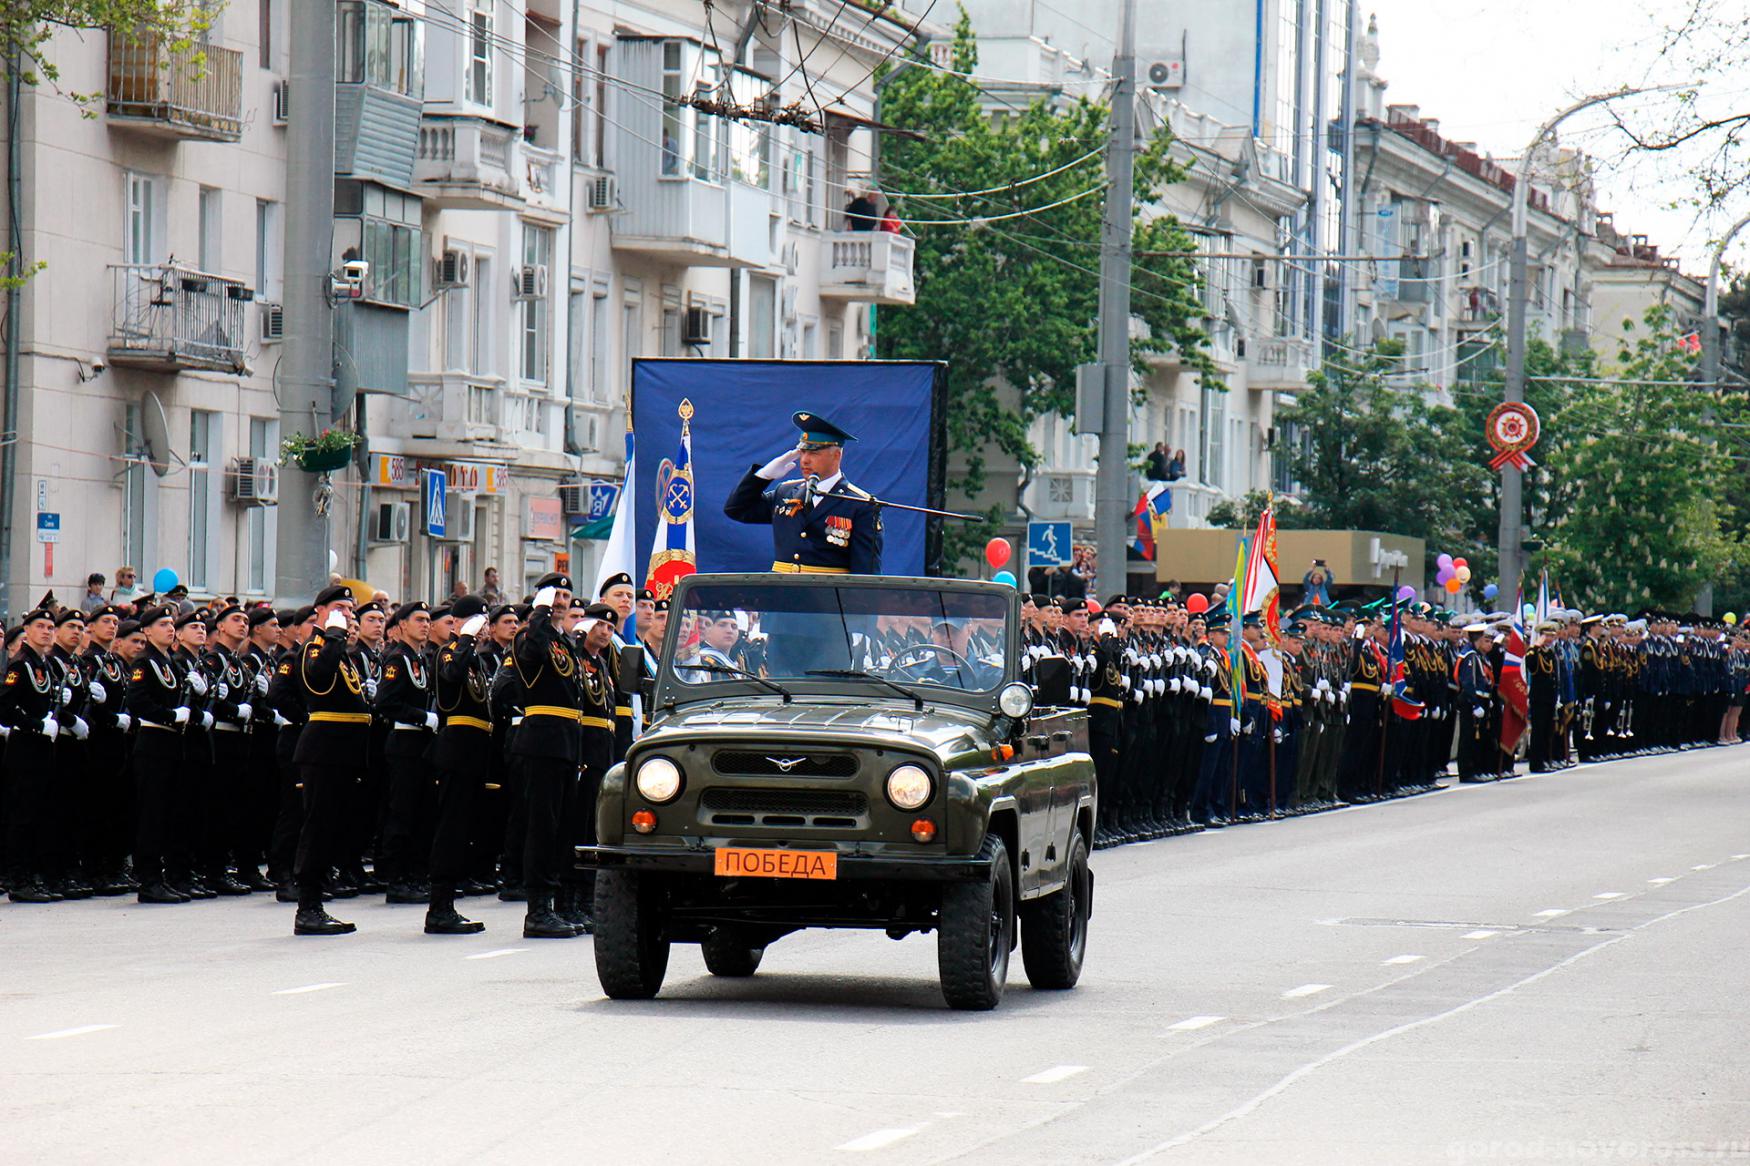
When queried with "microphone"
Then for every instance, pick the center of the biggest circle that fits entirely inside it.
(810, 486)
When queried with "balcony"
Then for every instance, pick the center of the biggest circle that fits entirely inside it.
(169, 318)
(1478, 307)
(458, 414)
(1060, 492)
(464, 163)
(872, 266)
(1279, 363)
(194, 92)
(693, 222)
(1192, 502)
(543, 187)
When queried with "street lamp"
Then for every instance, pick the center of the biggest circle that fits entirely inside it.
(1710, 335)
(1511, 534)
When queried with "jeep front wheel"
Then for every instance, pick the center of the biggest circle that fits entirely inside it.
(631, 957)
(1054, 929)
(977, 932)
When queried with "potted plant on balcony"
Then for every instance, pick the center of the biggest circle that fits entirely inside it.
(327, 451)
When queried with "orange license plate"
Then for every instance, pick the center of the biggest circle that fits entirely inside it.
(777, 864)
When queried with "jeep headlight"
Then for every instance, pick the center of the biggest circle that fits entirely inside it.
(909, 787)
(1015, 700)
(659, 780)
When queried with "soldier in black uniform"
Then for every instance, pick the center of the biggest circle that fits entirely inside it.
(549, 743)
(229, 836)
(403, 703)
(154, 702)
(260, 789)
(29, 696)
(286, 695)
(1476, 689)
(107, 801)
(598, 752)
(368, 808)
(58, 840)
(330, 753)
(463, 759)
(192, 789)
(821, 524)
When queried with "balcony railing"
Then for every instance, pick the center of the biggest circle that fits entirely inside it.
(464, 163)
(168, 317)
(1277, 363)
(868, 265)
(451, 407)
(1478, 305)
(189, 92)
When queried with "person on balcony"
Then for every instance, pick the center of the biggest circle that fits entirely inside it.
(860, 211)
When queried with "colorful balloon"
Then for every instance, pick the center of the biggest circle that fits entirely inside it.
(1456, 563)
(997, 552)
(1443, 562)
(1197, 604)
(163, 580)
(1491, 591)
(1731, 617)
(1464, 574)
(1452, 585)
(1406, 593)
(1003, 577)
(1442, 576)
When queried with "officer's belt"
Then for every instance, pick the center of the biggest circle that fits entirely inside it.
(805, 569)
(1364, 688)
(470, 722)
(156, 725)
(623, 710)
(319, 718)
(1222, 703)
(1105, 702)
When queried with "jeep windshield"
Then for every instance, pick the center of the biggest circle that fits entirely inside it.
(914, 635)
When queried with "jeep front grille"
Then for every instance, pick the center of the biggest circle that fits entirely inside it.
(783, 763)
(775, 807)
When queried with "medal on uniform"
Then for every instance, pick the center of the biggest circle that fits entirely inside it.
(838, 531)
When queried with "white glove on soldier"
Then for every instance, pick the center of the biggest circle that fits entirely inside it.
(545, 597)
(224, 690)
(280, 721)
(123, 722)
(51, 730)
(98, 692)
(80, 729)
(780, 465)
(431, 721)
(370, 689)
(181, 715)
(261, 684)
(336, 619)
(1206, 693)
(206, 719)
(1233, 725)
(245, 711)
(197, 684)
(472, 625)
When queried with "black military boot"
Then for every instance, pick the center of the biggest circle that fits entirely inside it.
(161, 892)
(404, 892)
(313, 920)
(568, 905)
(541, 922)
(33, 890)
(441, 917)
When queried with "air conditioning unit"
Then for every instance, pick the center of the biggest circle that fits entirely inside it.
(574, 497)
(698, 328)
(282, 102)
(393, 522)
(254, 481)
(531, 282)
(1166, 74)
(273, 323)
(792, 257)
(459, 522)
(602, 193)
(452, 269)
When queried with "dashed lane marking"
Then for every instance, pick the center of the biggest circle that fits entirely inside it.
(1305, 990)
(1608, 895)
(878, 1140)
(492, 955)
(1702, 866)
(307, 988)
(82, 1030)
(1192, 1023)
(1404, 959)
(1481, 934)
(1552, 913)
(1054, 1074)
(1659, 882)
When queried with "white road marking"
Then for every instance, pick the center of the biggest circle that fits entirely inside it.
(323, 987)
(1608, 895)
(66, 1032)
(1660, 881)
(1739, 857)
(492, 955)
(1054, 1074)
(1305, 990)
(1404, 959)
(1702, 866)
(878, 1140)
(1481, 934)
(1552, 913)
(1192, 1023)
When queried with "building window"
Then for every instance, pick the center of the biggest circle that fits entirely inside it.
(533, 313)
(598, 346)
(264, 34)
(385, 233)
(202, 441)
(671, 109)
(375, 44)
(269, 247)
(630, 325)
(750, 153)
(263, 444)
(762, 316)
(1211, 438)
(143, 232)
(479, 89)
(212, 228)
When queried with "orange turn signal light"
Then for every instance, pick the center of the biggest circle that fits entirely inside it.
(644, 821)
(1002, 753)
(923, 830)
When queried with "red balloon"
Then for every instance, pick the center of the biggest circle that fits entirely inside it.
(997, 552)
(1093, 607)
(1457, 563)
(1197, 604)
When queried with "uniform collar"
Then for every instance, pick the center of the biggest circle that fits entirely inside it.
(827, 485)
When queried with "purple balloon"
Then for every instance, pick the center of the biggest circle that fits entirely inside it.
(1444, 562)
(1444, 574)
(1406, 593)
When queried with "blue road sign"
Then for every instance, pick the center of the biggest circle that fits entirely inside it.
(435, 483)
(1049, 544)
(602, 498)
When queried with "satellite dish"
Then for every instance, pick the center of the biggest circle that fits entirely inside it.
(155, 429)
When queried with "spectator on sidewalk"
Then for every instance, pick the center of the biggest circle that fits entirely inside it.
(1316, 585)
(125, 589)
(489, 590)
(93, 597)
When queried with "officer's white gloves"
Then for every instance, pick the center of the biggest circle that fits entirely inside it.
(206, 719)
(780, 465)
(472, 625)
(244, 712)
(370, 689)
(197, 683)
(280, 721)
(336, 620)
(1206, 693)
(545, 597)
(431, 721)
(1108, 628)
(51, 730)
(181, 715)
(81, 730)
(124, 722)
(1478, 711)
(1233, 725)
(261, 684)
(98, 692)
(223, 691)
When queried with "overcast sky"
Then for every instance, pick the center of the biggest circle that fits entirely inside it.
(1493, 70)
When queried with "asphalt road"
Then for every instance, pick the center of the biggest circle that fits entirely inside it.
(1551, 969)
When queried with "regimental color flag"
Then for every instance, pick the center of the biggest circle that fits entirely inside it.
(1263, 591)
(1236, 615)
(1398, 669)
(1515, 695)
(1152, 507)
(620, 556)
(672, 554)
(1542, 613)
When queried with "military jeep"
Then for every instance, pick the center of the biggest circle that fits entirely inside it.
(846, 751)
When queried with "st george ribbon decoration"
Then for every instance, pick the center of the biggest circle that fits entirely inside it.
(1512, 429)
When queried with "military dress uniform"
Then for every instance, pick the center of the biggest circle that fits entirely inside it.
(109, 798)
(833, 529)
(231, 799)
(285, 695)
(403, 703)
(29, 696)
(463, 758)
(154, 702)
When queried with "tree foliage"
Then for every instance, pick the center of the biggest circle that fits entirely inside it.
(1012, 305)
(27, 26)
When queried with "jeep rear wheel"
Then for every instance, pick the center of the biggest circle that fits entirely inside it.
(1054, 929)
(977, 932)
(631, 957)
(728, 952)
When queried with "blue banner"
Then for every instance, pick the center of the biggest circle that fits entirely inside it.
(741, 419)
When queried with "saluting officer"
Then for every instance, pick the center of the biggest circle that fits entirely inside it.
(821, 523)
(154, 702)
(330, 754)
(595, 634)
(463, 759)
(28, 699)
(403, 703)
(549, 743)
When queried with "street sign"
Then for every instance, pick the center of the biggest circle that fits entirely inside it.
(48, 526)
(434, 502)
(1049, 544)
(603, 496)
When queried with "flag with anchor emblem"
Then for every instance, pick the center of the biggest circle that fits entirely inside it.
(672, 554)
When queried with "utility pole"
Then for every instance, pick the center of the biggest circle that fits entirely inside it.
(305, 380)
(1710, 328)
(1111, 501)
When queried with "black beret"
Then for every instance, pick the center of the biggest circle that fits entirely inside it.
(503, 610)
(302, 614)
(407, 609)
(659, 605)
(287, 616)
(261, 615)
(226, 611)
(68, 615)
(612, 581)
(13, 634)
(153, 614)
(1071, 606)
(468, 606)
(366, 608)
(334, 594)
(127, 627)
(603, 612)
(111, 609)
(646, 593)
(557, 579)
(441, 611)
(35, 614)
(185, 620)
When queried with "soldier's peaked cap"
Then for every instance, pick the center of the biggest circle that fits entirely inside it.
(818, 432)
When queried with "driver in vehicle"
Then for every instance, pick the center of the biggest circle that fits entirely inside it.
(718, 633)
(952, 658)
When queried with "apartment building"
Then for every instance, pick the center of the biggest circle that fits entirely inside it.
(537, 209)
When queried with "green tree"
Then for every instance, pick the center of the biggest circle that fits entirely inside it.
(1011, 305)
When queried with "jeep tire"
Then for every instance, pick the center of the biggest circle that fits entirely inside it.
(631, 956)
(977, 933)
(728, 953)
(1054, 928)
